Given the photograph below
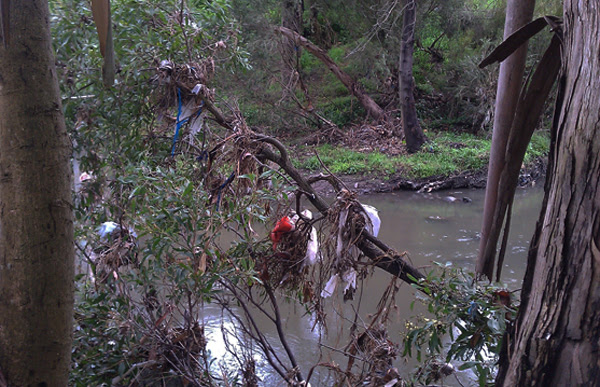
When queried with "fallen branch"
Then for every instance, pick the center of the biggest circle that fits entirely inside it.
(354, 87)
(382, 255)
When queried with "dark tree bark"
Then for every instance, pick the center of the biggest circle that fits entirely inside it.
(291, 17)
(36, 224)
(413, 133)
(510, 79)
(556, 338)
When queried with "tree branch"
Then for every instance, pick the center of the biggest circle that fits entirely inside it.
(383, 256)
(354, 87)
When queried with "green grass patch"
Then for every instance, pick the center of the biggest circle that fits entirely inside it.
(341, 110)
(445, 154)
(348, 162)
(538, 146)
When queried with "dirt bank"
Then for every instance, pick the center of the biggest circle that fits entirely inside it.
(366, 184)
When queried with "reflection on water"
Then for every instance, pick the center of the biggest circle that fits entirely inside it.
(433, 229)
(429, 227)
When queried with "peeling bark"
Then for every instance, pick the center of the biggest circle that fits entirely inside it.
(518, 13)
(555, 341)
(529, 110)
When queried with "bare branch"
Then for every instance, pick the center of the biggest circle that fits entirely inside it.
(354, 87)
(383, 256)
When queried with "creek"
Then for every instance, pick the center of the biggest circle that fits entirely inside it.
(430, 228)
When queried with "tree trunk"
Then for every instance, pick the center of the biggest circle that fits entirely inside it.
(555, 341)
(518, 13)
(410, 124)
(36, 224)
(291, 17)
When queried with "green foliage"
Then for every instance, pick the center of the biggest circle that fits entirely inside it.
(309, 62)
(452, 37)
(539, 146)
(102, 350)
(337, 53)
(466, 321)
(341, 110)
(120, 308)
(445, 153)
(136, 312)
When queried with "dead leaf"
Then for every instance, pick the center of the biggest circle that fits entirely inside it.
(518, 38)
(202, 265)
(102, 18)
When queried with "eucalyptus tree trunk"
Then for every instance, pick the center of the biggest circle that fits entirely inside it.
(555, 340)
(36, 224)
(510, 79)
(291, 17)
(413, 133)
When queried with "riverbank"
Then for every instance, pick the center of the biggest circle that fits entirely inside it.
(530, 175)
(369, 160)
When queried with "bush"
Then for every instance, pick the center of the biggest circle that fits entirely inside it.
(472, 316)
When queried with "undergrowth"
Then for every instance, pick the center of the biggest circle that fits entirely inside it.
(465, 323)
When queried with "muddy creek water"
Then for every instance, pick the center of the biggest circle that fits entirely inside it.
(430, 228)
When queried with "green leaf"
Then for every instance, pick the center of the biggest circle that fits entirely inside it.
(139, 190)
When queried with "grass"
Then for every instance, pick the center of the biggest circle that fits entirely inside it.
(445, 154)
(538, 147)
(348, 162)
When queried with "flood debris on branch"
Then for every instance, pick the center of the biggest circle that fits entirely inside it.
(311, 256)
(251, 151)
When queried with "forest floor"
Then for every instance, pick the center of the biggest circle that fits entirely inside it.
(369, 140)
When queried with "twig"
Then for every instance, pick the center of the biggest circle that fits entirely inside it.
(344, 353)
(329, 171)
(115, 381)
(185, 38)
(281, 333)
(328, 178)
(259, 338)
(458, 380)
